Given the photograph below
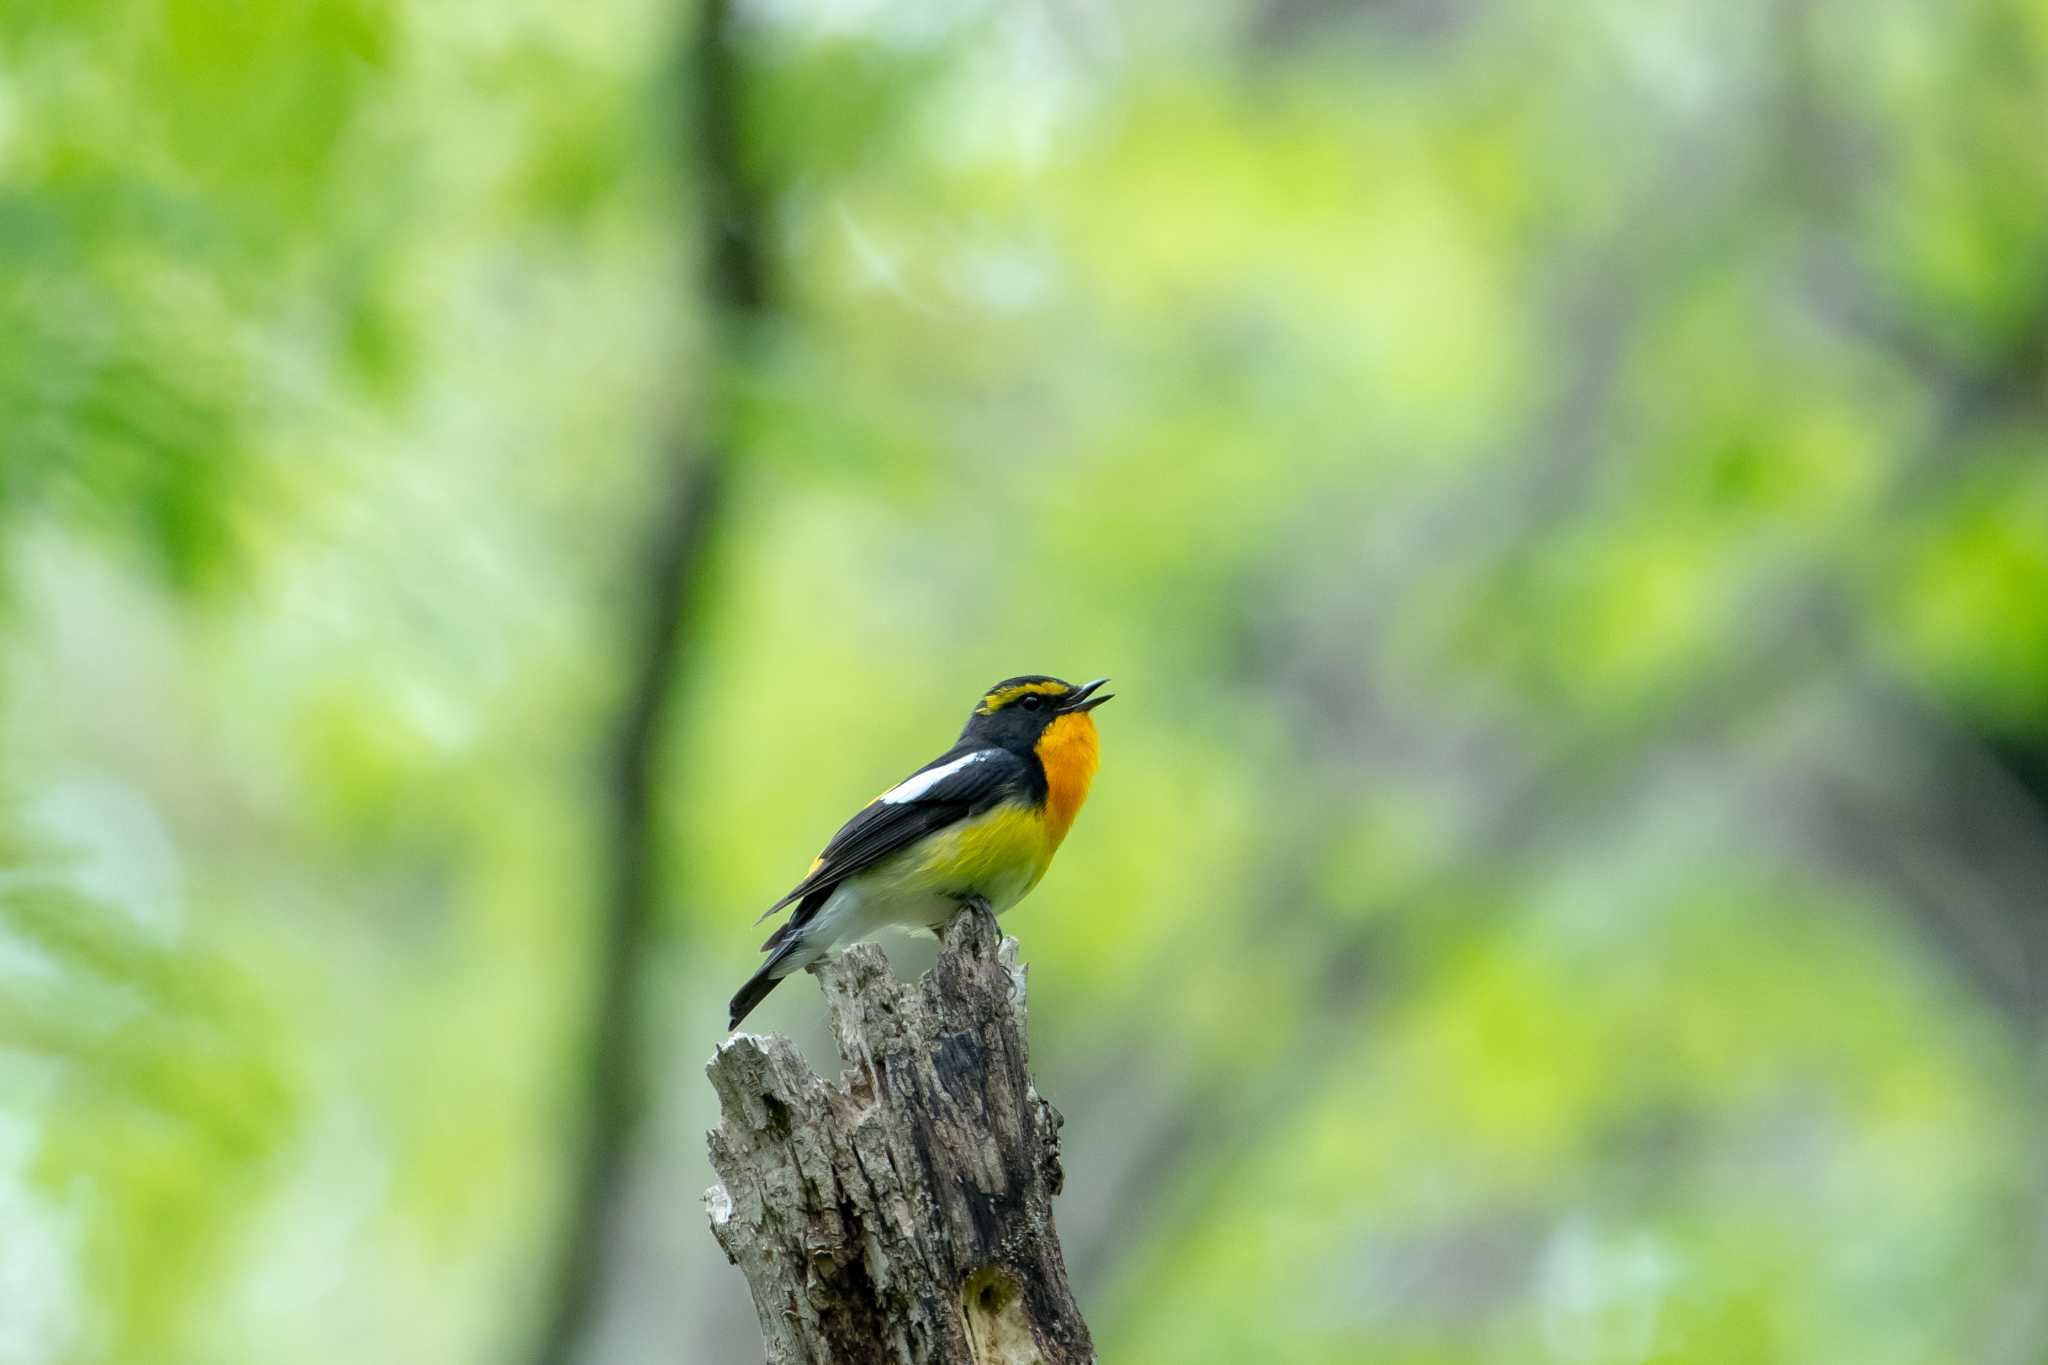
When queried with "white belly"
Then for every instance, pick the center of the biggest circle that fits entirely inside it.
(897, 893)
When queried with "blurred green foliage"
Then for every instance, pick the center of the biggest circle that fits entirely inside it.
(1560, 490)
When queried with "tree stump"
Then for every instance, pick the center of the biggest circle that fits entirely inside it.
(903, 1213)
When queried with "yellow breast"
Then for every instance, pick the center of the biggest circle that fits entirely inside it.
(1002, 853)
(999, 854)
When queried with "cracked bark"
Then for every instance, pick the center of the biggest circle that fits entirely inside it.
(902, 1213)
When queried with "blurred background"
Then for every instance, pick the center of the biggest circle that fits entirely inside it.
(1559, 488)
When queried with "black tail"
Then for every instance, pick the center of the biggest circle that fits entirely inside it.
(779, 946)
(761, 982)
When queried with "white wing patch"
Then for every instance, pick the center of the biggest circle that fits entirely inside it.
(911, 788)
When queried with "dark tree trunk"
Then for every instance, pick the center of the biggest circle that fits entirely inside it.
(904, 1212)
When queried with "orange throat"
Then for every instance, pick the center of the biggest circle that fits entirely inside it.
(1069, 751)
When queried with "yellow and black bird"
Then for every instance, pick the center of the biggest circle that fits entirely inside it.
(983, 819)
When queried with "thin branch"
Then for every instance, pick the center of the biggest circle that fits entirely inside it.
(676, 549)
(615, 1056)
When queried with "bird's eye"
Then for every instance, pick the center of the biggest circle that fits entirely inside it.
(1032, 702)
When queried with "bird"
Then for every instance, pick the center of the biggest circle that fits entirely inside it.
(979, 822)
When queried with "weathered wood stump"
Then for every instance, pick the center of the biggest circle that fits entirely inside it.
(904, 1212)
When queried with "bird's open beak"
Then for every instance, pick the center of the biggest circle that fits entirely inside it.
(1084, 698)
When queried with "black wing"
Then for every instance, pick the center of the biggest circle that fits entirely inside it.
(956, 784)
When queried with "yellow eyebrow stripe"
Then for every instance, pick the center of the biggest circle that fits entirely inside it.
(1003, 696)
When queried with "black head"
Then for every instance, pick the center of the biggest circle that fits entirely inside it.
(1015, 712)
